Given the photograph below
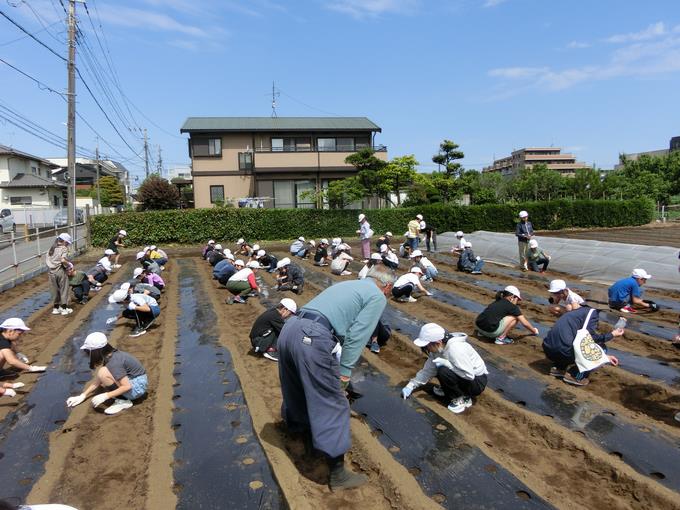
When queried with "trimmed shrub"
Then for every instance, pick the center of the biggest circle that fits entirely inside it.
(199, 225)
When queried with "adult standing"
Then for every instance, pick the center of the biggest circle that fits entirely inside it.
(313, 382)
(365, 234)
(412, 239)
(524, 233)
(117, 242)
(57, 262)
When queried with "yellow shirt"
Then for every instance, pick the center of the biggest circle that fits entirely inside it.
(413, 228)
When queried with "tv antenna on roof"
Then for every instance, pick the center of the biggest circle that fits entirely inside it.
(275, 94)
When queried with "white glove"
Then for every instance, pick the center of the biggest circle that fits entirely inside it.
(478, 258)
(74, 401)
(111, 320)
(406, 391)
(428, 293)
(99, 399)
(442, 362)
(36, 368)
(132, 306)
(10, 393)
(17, 385)
(22, 357)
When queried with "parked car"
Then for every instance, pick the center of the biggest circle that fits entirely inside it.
(61, 218)
(7, 222)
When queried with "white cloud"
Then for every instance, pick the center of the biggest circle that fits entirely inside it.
(518, 72)
(493, 3)
(371, 8)
(578, 45)
(651, 32)
(144, 19)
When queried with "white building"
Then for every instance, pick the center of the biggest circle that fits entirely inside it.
(26, 181)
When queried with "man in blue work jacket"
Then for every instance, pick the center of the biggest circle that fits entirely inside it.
(313, 381)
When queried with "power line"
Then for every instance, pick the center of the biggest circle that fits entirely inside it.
(40, 84)
(7, 43)
(42, 22)
(29, 34)
(307, 105)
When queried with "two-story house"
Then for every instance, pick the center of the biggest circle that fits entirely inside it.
(274, 158)
(27, 180)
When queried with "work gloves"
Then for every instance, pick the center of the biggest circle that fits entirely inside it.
(99, 399)
(407, 390)
(74, 401)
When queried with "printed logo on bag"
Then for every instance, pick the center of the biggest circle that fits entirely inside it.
(590, 350)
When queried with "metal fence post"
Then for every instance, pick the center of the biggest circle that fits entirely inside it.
(14, 254)
(37, 238)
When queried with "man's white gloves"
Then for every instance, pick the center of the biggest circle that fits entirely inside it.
(442, 362)
(74, 401)
(99, 399)
(407, 390)
(36, 368)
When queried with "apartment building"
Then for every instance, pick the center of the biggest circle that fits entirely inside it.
(274, 159)
(673, 145)
(552, 157)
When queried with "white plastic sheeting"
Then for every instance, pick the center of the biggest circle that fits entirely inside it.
(595, 261)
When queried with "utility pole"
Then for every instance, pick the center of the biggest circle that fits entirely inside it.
(160, 162)
(71, 121)
(99, 195)
(146, 153)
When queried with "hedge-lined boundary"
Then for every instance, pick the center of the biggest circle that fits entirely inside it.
(197, 225)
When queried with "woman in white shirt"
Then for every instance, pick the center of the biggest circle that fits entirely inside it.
(341, 261)
(406, 284)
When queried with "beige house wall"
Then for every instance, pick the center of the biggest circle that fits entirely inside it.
(235, 187)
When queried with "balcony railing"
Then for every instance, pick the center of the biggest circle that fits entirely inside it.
(376, 148)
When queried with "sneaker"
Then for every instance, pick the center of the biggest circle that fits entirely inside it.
(504, 340)
(437, 390)
(457, 405)
(570, 379)
(148, 324)
(525, 267)
(118, 405)
(556, 372)
(138, 332)
(66, 311)
(56, 311)
(467, 402)
(375, 347)
(271, 355)
(240, 300)
(475, 272)
(346, 273)
(628, 309)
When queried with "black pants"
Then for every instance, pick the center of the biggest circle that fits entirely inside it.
(390, 264)
(100, 277)
(82, 290)
(143, 318)
(405, 291)
(263, 342)
(560, 361)
(293, 287)
(455, 386)
(533, 264)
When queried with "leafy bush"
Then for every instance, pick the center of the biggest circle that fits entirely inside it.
(157, 193)
(199, 225)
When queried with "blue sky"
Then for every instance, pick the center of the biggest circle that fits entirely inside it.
(596, 78)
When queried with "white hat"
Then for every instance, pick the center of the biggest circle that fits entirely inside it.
(336, 240)
(147, 248)
(289, 304)
(416, 269)
(429, 333)
(362, 217)
(533, 243)
(226, 252)
(118, 296)
(261, 253)
(467, 244)
(240, 241)
(230, 256)
(239, 262)
(641, 273)
(256, 247)
(125, 286)
(323, 241)
(416, 253)
(95, 340)
(122, 233)
(282, 263)
(212, 241)
(523, 214)
(383, 248)
(513, 290)
(419, 216)
(459, 233)
(253, 264)
(65, 237)
(218, 247)
(153, 247)
(557, 286)
(14, 323)
(388, 234)
(137, 272)
(312, 243)
(376, 256)
(109, 252)
(140, 255)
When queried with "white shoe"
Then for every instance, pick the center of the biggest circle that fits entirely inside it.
(411, 299)
(66, 311)
(56, 311)
(467, 401)
(346, 273)
(117, 266)
(457, 405)
(118, 405)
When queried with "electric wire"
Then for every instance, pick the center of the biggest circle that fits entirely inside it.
(40, 84)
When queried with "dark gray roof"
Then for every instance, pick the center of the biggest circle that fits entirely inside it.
(31, 181)
(9, 151)
(248, 124)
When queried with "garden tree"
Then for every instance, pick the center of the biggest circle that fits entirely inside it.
(654, 176)
(111, 192)
(422, 191)
(613, 185)
(368, 166)
(396, 176)
(537, 183)
(446, 186)
(490, 188)
(339, 194)
(157, 193)
(447, 156)
(586, 183)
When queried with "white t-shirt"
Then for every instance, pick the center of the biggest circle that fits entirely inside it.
(425, 263)
(105, 263)
(406, 279)
(140, 300)
(391, 256)
(573, 298)
(339, 262)
(423, 225)
(242, 275)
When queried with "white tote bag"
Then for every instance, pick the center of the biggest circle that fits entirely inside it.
(588, 354)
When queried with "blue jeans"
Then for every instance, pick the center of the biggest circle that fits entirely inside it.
(412, 242)
(533, 264)
(431, 272)
(139, 387)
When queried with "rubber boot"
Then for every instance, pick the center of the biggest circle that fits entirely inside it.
(341, 478)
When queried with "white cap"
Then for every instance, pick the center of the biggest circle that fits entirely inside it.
(137, 272)
(125, 286)
(256, 247)
(376, 256)
(253, 264)
(641, 273)
(468, 244)
(429, 333)
(301, 238)
(261, 253)
(95, 340)
(239, 262)
(557, 285)
(109, 252)
(523, 214)
(65, 237)
(337, 240)
(226, 252)
(323, 241)
(153, 247)
(362, 217)
(14, 323)
(459, 233)
(419, 216)
(289, 304)
(118, 296)
(240, 241)
(218, 247)
(282, 263)
(388, 234)
(383, 247)
(416, 253)
(147, 248)
(312, 243)
(513, 290)
(230, 256)
(212, 241)
(140, 255)
(122, 233)
(416, 269)
(533, 243)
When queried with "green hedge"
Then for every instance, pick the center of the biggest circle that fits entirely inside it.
(199, 225)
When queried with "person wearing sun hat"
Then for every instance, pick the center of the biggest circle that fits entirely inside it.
(242, 282)
(267, 260)
(148, 264)
(502, 315)
(468, 262)
(10, 332)
(537, 257)
(341, 260)
(298, 247)
(461, 371)
(524, 232)
(119, 375)
(115, 244)
(374, 260)
(383, 239)
(389, 258)
(321, 256)
(267, 327)
(406, 284)
(207, 249)
(429, 269)
(626, 294)
(216, 255)
(365, 233)
(459, 246)
(290, 277)
(142, 307)
(562, 299)
(56, 260)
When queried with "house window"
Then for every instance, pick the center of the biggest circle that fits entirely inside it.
(245, 160)
(326, 144)
(55, 201)
(345, 144)
(298, 144)
(34, 170)
(206, 147)
(20, 200)
(216, 194)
